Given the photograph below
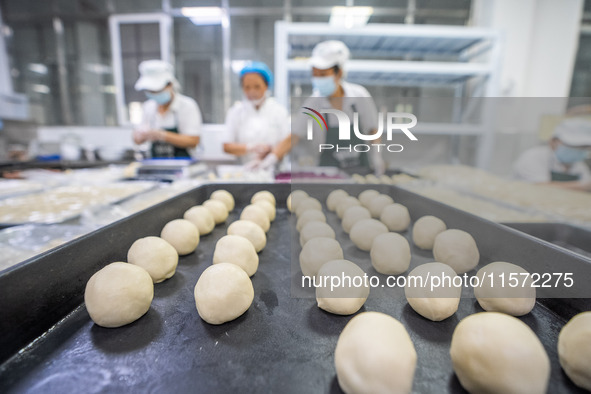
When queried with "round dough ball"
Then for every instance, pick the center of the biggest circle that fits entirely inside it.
(251, 231)
(425, 230)
(306, 204)
(374, 354)
(256, 215)
(457, 249)
(156, 256)
(294, 199)
(268, 208)
(436, 303)
(315, 230)
(358, 179)
(224, 196)
(496, 353)
(223, 293)
(395, 217)
(372, 179)
(364, 232)
(311, 215)
(390, 254)
(334, 197)
(218, 210)
(352, 215)
(495, 296)
(574, 349)
(201, 217)
(366, 196)
(118, 294)
(182, 235)
(344, 297)
(237, 250)
(346, 203)
(318, 251)
(378, 203)
(264, 195)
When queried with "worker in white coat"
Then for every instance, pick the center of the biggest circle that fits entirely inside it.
(171, 122)
(328, 64)
(257, 123)
(560, 162)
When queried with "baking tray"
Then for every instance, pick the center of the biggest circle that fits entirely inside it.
(281, 344)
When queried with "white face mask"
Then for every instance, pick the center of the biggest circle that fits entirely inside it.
(256, 102)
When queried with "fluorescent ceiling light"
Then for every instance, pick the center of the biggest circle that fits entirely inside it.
(350, 16)
(238, 65)
(204, 15)
(40, 88)
(38, 68)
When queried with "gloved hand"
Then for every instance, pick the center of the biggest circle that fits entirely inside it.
(252, 165)
(139, 137)
(261, 150)
(378, 163)
(269, 162)
(155, 135)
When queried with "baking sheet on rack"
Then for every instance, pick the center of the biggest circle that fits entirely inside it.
(281, 344)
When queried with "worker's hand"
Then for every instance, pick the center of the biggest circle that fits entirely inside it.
(252, 165)
(261, 150)
(139, 137)
(269, 162)
(378, 163)
(155, 135)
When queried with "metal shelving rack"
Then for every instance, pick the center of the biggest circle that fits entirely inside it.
(382, 54)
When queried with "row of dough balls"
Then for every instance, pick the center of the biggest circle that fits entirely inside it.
(224, 291)
(121, 293)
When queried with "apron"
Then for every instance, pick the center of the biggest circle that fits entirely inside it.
(161, 149)
(563, 177)
(343, 158)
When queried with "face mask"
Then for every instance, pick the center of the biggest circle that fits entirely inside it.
(325, 85)
(161, 97)
(256, 102)
(568, 155)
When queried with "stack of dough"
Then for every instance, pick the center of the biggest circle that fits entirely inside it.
(156, 256)
(218, 210)
(202, 218)
(182, 235)
(118, 294)
(223, 293)
(374, 354)
(457, 249)
(346, 298)
(425, 230)
(496, 353)
(434, 303)
(237, 250)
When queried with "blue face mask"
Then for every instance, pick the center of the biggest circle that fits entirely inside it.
(567, 155)
(325, 85)
(161, 98)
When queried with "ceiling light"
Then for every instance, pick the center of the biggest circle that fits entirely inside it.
(204, 15)
(350, 16)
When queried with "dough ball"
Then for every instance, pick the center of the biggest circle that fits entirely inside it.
(378, 203)
(375, 354)
(496, 353)
(182, 235)
(358, 179)
(218, 210)
(318, 251)
(256, 215)
(223, 293)
(385, 179)
(346, 203)
(366, 196)
(334, 197)
(457, 249)
(156, 256)
(495, 296)
(308, 216)
(251, 231)
(294, 199)
(395, 217)
(345, 297)
(268, 208)
(236, 250)
(372, 179)
(352, 215)
(224, 196)
(306, 204)
(202, 218)
(390, 254)
(118, 294)
(437, 303)
(574, 349)
(364, 232)
(264, 195)
(315, 230)
(425, 230)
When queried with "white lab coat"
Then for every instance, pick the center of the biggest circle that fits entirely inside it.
(537, 163)
(268, 125)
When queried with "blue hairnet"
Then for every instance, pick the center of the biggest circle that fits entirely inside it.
(259, 68)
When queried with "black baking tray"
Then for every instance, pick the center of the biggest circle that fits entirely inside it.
(281, 344)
